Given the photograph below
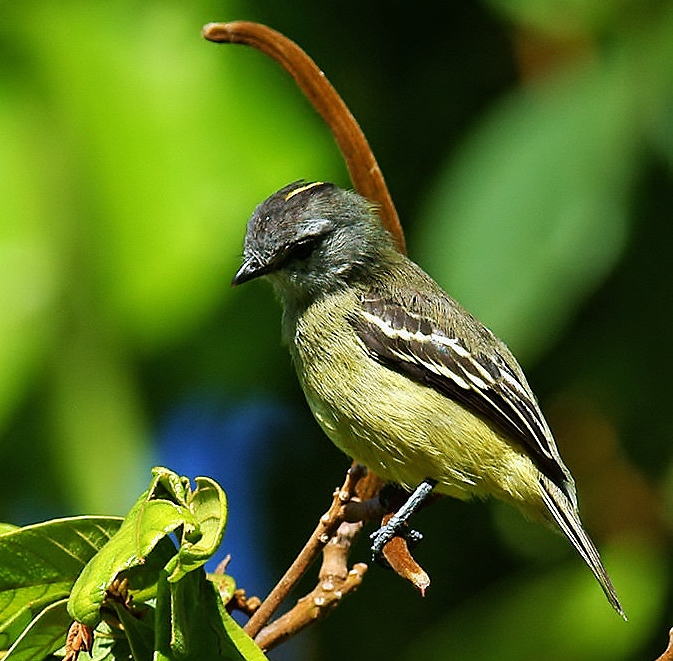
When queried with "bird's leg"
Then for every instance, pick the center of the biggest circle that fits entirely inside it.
(394, 526)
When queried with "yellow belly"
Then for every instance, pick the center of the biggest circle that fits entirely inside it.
(401, 430)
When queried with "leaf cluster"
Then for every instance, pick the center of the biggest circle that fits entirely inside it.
(137, 583)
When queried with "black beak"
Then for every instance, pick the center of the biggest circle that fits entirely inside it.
(250, 269)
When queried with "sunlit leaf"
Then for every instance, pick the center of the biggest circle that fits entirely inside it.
(225, 584)
(40, 563)
(45, 634)
(242, 642)
(168, 484)
(146, 525)
(208, 504)
(193, 625)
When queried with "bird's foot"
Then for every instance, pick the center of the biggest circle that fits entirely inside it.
(397, 524)
(387, 532)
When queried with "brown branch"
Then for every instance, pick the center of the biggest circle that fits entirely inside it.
(335, 581)
(364, 171)
(326, 528)
(398, 556)
(241, 602)
(668, 654)
(368, 180)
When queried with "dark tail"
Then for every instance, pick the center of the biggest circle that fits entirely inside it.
(567, 519)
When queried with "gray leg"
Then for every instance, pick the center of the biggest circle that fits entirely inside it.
(394, 527)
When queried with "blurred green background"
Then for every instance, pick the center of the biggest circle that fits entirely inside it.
(528, 145)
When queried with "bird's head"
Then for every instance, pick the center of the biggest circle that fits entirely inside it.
(312, 239)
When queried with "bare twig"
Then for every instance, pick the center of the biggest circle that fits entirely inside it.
(369, 182)
(241, 602)
(335, 581)
(327, 526)
(364, 171)
(371, 509)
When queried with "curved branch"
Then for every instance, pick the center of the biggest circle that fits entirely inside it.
(326, 528)
(364, 171)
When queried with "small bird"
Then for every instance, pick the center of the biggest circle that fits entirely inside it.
(397, 373)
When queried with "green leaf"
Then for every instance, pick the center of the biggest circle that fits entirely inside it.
(45, 634)
(193, 625)
(7, 527)
(109, 644)
(142, 578)
(225, 585)
(244, 645)
(139, 633)
(166, 483)
(40, 563)
(148, 522)
(208, 504)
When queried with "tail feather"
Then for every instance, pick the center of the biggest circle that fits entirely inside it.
(567, 519)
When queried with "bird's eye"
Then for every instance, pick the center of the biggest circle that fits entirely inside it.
(303, 248)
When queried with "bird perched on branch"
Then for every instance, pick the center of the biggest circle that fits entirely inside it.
(399, 375)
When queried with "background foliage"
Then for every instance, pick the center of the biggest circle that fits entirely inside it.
(529, 148)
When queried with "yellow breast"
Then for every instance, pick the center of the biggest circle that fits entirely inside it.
(401, 430)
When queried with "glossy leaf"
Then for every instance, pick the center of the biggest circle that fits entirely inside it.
(40, 563)
(45, 634)
(193, 625)
(143, 528)
(245, 645)
(208, 504)
(167, 484)
(225, 585)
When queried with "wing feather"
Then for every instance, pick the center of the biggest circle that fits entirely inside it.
(414, 345)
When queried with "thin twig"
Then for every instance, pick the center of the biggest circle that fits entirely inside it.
(364, 171)
(241, 602)
(326, 528)
(367, 180)
(335, 581)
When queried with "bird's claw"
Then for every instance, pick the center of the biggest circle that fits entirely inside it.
(385, 533)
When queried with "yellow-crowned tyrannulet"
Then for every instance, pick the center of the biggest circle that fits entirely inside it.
(397, 373)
